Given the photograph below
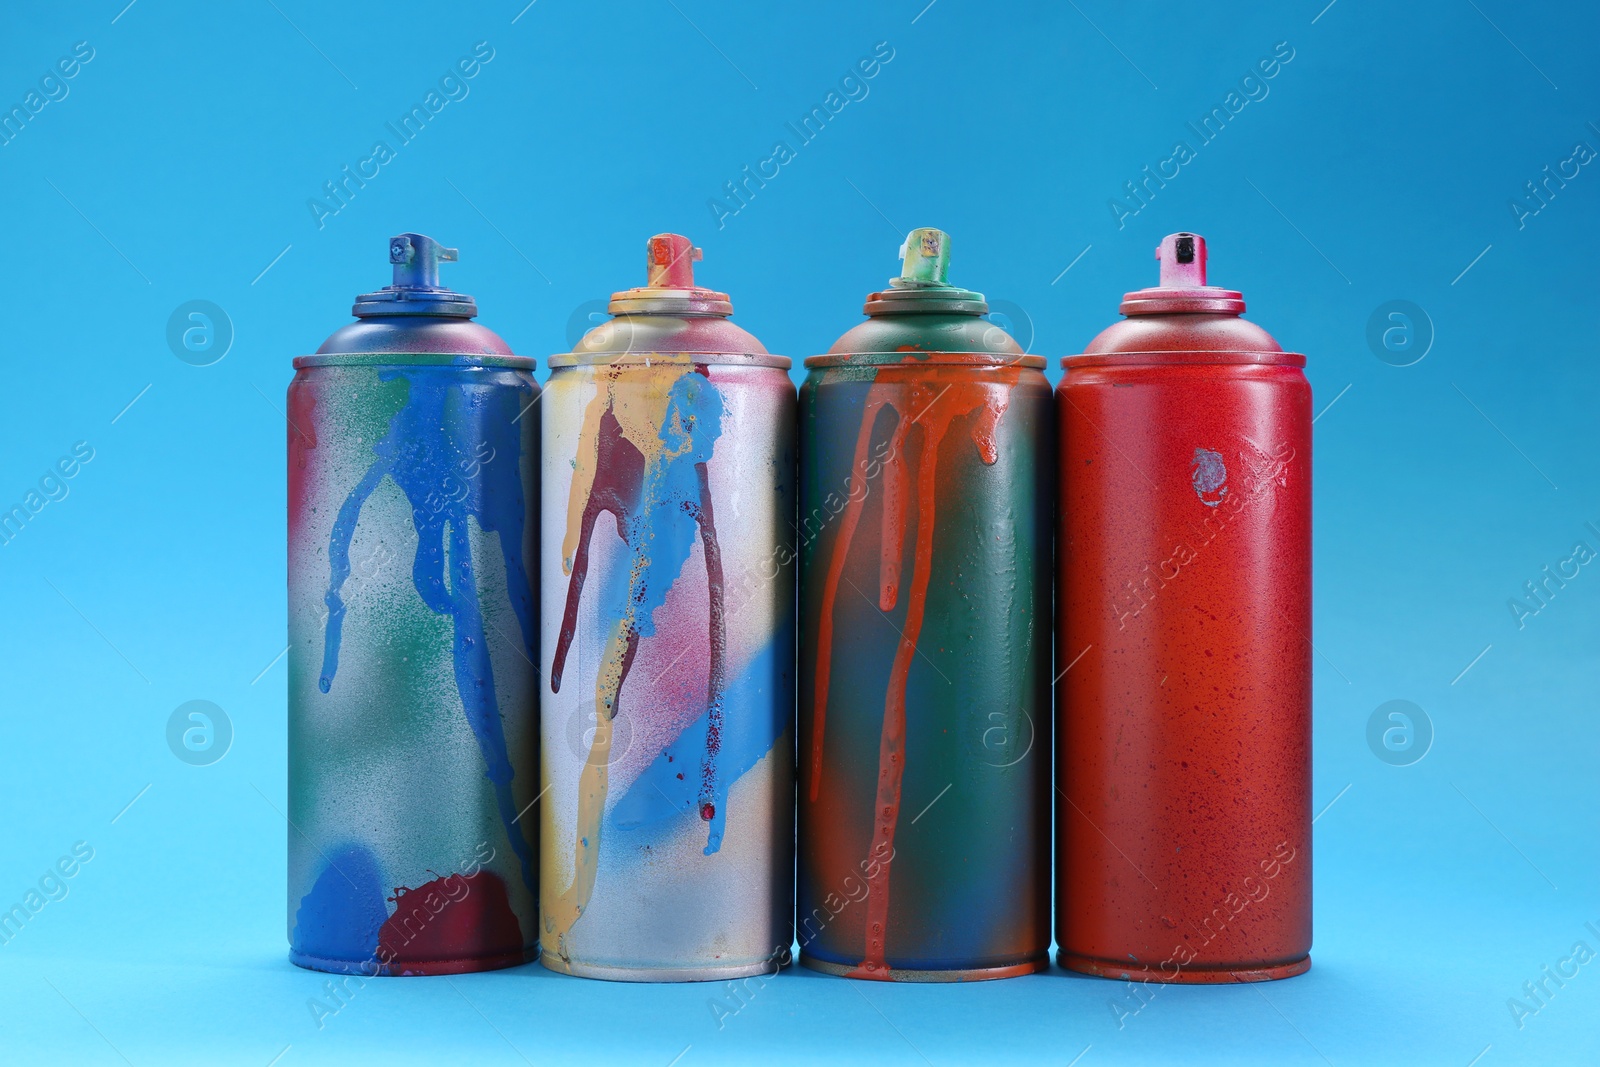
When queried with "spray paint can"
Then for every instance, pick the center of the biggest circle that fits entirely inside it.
(413, 641)
(667, 722)
(926, 488)
(1184, 824)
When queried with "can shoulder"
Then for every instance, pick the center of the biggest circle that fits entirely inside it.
(1182, 332)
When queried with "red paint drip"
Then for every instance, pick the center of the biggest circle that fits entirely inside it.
(302, 438)
(893, 487)
(718, 640)
(932, 400)
(618, 485)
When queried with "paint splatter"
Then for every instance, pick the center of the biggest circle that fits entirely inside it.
(454, 449)
(454, 918)
(755, 721)
(339, 919)
(302, 439)
(931, 400)
(646, 438)
(1209, 477)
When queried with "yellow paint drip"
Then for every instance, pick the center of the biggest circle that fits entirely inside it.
(639, 404)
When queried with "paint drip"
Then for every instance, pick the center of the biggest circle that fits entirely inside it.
(646, 437)
(448, 486)
(932, 401)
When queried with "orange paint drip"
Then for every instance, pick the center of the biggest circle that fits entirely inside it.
(847, 530)
(933, 401)
(894, 519)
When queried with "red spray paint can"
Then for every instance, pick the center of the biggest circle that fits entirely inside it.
(1183, 813)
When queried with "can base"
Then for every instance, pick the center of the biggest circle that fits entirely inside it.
(965, 974)
(612, 973)
(1189, 975)
(413, 968)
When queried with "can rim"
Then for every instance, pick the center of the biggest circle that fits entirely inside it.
(466, 360)
(629, 359)
(1179, 300)
(898, 359)
(1200, 357)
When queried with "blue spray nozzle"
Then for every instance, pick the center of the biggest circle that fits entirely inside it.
(416, 289)
(416, 258)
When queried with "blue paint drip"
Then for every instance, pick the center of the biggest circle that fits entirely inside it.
(662, 530)
(340, 917)
(454, 449)
(755, 716)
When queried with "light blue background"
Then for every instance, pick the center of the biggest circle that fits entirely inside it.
(1379, 166)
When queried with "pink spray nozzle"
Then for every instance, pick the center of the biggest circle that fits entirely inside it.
(1183, 287)
(1183, 261)
(671, 261)
(670, 288)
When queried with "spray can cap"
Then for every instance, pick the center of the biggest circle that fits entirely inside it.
(1183, 285)
(416, 289)
(670, 288)
(925, 259)
(923, 285)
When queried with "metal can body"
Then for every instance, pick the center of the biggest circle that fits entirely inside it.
(411, 652)
(1184, 599)
(926, 481)
(925, 705)
(668, 738)
(412, 641)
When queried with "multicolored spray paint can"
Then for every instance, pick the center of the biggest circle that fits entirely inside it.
(413, 463)
(668, 718)
(1184, 824)
(926, 488)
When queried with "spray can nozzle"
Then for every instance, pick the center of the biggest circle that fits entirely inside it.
(923, 286)
(1183, 261)
(670, 258)
(1183, 288)
(416, 260)
(670, 287)
(416, 289)
(925, 258)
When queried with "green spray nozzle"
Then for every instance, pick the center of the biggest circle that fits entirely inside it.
(926, 256)
(416, 260)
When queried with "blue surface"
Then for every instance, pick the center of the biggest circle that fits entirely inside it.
(1380, 165)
